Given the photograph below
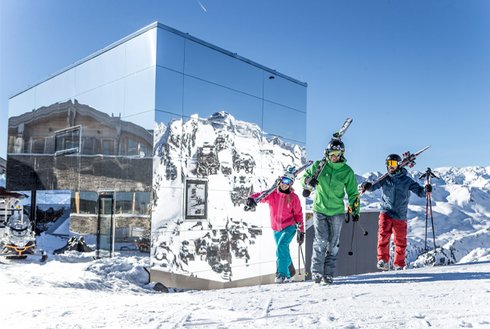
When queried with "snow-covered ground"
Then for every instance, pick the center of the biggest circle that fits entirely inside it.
(75, 291)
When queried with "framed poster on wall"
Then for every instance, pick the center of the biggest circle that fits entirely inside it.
(196, 199)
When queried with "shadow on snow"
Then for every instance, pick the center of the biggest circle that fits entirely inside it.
(409, 276)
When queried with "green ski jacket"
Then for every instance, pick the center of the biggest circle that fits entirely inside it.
(334, 181)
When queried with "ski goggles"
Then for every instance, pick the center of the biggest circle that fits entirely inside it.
(336, 153)
(287, 181)
(392, 163)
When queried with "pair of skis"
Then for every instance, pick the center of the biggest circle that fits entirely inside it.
(407, 160)
(336, 136)
(293, 170)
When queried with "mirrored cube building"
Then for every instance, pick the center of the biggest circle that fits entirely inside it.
(154, 144)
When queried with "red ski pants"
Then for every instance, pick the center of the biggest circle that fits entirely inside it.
(386, 226)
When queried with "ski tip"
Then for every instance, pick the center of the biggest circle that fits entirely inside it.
(340, 133)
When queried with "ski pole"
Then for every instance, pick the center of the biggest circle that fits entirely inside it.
(299, 259)
(432, 221)
(426, 219)
(428, 207)
(364, 232)
(304, 263)
(352, 239)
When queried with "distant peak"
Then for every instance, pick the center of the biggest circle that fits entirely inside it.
(222, 116)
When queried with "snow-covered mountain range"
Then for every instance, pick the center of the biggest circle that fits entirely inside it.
(217, 162)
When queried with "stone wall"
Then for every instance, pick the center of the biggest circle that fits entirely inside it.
(78, 173)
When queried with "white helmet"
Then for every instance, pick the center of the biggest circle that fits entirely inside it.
(288, 178)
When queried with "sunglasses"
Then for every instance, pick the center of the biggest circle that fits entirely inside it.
(287, 181)
(336, 153)
(392, 163)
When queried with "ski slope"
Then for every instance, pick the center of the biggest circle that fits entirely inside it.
(77, 292)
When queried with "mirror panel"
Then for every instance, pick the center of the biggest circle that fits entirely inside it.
(100, 70)
(139, 92)
(285, 92)
(56, 89)
(169, 91)
(284, 122)
(207, 98)
(22, 103)
(108, 98)
(222, 69)
(141, 52)
(170, 50)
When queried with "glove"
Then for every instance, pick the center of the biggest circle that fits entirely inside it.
(251, 202)
(355, 218)
(428, 188)
(300, 237)
(365, 186)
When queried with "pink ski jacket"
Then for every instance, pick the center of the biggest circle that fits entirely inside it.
(285, 209)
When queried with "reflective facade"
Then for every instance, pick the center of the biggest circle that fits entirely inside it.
(88, 130)
(164, 126)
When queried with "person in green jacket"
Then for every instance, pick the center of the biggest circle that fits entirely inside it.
(335, 180)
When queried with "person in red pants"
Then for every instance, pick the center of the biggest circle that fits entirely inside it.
(396, 189)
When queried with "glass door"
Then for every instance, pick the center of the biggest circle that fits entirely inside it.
(105, 226)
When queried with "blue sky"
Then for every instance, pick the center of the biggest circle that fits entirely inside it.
(410, 73)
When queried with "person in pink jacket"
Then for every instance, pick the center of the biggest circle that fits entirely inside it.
(285, 213)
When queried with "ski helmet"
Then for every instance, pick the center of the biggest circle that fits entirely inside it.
(335, 145)
(288, 178)
(393, 157)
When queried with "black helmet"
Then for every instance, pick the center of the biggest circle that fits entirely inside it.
(335, 144)
(393, 160)
(393, 156)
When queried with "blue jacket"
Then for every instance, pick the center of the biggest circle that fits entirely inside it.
(396, 193)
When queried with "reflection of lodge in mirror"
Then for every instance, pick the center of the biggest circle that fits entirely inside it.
(58, 127)
(3, 166)
(113, 150)
(72, 146)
